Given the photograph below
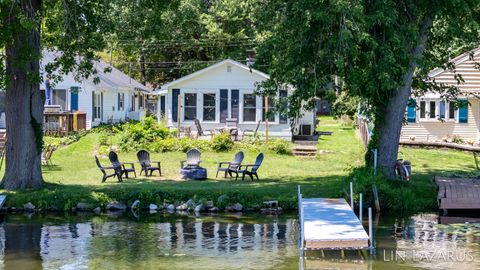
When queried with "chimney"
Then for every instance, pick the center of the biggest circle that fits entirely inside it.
(250, 58)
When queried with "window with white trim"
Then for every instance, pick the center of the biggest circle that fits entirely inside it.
(97, 105)
(439, 109)
(423, 109)
(432, 113)
(451, 111)
(121, 101)
(209, 108)
(190, 106)
(249, 108)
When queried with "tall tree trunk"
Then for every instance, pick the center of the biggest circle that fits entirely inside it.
(23, 106)
(390, 125)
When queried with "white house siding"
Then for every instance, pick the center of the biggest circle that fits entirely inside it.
(111, 83)
(212, 82)
(432, 130)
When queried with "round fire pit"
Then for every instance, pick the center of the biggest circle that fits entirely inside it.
(193, 173)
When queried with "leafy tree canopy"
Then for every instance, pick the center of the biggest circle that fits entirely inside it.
(378, 50)
(161, 41)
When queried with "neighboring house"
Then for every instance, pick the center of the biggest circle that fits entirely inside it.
(115, 98)
(431, 117)
(224, 91)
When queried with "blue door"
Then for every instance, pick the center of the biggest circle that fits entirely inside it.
(74, 99)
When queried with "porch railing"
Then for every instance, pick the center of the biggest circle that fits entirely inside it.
(63, 123)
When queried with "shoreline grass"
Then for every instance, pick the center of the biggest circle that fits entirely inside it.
(75, 177)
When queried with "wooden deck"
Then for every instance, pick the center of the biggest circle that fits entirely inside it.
(458, 193)
(331, 224)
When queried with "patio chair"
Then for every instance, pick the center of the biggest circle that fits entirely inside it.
(144, 159)
(116, 163)
(47, 155)
(193, 159)
(252, 131)
(232, 167)
(200, 131)
(117, 171)
(250, 170)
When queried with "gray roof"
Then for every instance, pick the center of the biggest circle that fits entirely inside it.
(112, 80)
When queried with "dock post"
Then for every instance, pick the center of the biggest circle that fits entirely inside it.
(370, 228)
(360, 208)
(351, 195)
(300, 223)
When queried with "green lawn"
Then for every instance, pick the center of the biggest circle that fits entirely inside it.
(75, 176)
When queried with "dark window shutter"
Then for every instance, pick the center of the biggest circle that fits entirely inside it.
(175, 94)
(162, 105)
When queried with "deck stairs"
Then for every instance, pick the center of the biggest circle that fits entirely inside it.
(304, 150)
(305, 146)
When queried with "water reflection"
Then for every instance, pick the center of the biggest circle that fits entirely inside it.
(162, 241)
(157, 243)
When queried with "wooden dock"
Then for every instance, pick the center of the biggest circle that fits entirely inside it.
(458, 193)
(329, 224)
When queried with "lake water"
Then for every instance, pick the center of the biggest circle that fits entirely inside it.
(247, 241)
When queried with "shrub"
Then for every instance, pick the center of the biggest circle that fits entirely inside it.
(137, 135)
(279, 146)
(109, 128)
(345, 105)
(62, 141)
(222, 142)
(165, 145)
(251, 143)
(457, 139)
(103, 138)
(394, 195)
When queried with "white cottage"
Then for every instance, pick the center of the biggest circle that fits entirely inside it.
(432, 118)
(115, 98)
(224, 91)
